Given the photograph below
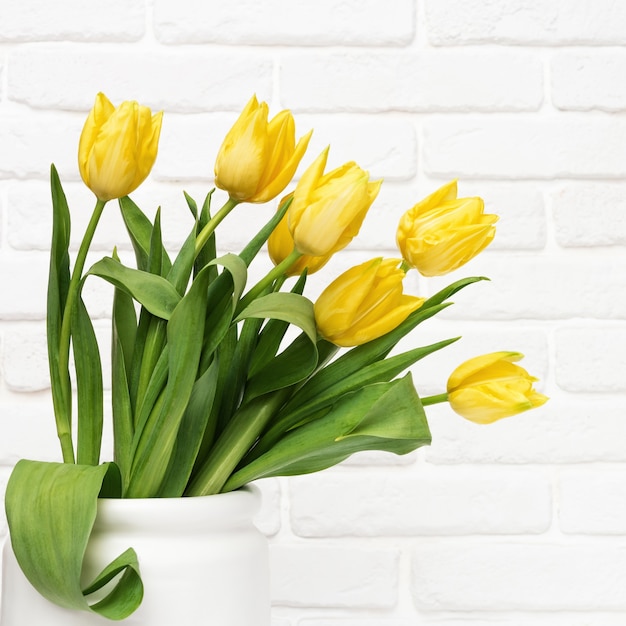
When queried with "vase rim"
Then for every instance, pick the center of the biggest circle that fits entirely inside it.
(223, 509)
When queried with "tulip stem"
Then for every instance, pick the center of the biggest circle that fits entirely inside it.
(64, 420)
(404, 266)
(437, 399)
(277, 272)
(213, 223)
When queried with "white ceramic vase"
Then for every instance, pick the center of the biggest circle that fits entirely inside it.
(202, 562)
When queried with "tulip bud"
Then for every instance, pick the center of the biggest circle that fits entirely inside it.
(117, 147)
(258, 158)
(364, 303)
(489, 387)
(280, 245)
(443, 232)
(328, 209)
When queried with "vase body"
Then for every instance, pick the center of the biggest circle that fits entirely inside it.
(202, 562)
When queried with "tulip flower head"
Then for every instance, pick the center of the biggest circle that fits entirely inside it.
(364, 303)
(258, 158)
(280, 245)
(328, 209)
(117, 147)
(489, 387)
(442, 232)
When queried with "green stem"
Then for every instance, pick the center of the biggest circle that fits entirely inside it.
(404, 266)
(64, 338)
(277, 272)
(213, 223)
(437, 399)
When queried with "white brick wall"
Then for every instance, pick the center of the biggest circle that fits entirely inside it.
(522, 523)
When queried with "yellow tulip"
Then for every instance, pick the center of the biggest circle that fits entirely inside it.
(258, 158)
(117, 147)
(328, 209)
(280, 245)
(489, 387)
(443, 232)
(364, 303)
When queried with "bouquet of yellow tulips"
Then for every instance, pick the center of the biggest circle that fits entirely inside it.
(209, 390)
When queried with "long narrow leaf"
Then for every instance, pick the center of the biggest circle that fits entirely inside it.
(89, 386)
(58, 283)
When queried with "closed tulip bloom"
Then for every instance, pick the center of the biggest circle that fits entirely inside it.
(328, 209)
(117, 147)
(280, 245)
(442, 232)
(258, 158)
(490, 387)
(364, 303)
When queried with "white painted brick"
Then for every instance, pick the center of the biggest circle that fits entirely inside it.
(429, 501)
(589, 80)
(526, 618)
(525, 147)
(268, 518)
(366, 621)
(16, 271)
(591, 358)
(333, 575)
(589, 214)
(546, 286)
(36, 20)
(173, 79)
(27, 431)
(25, 357)
(519, 576)
(36, 140)
(552, 22)
(443, 80)
(386, 147)
(592, 502)
(299, 22)
(565, 430)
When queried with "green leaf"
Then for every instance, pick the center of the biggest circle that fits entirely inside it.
(58, 283)
(88, 384)
(289, 307)
(185, 332)
(190, 434)
(51, 509)
(208, 251)
(302, 412)
(155, 293)
(140, 232)
(383, 416)
(450, 290)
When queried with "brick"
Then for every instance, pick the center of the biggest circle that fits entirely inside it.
(576, 225)
(17, 270)
(330, 575)
(551, 22)
(565, 430)
(592, 501)
(25, 358)
(268, 518)
(73, 20)
(27, 431)
(444, 80)
(591, 358)
(524, 147)
(530, 618)
(487, 576)
(589, 80)
(539, 287)
(428, 501)
(386, 147)
(36, 140)
(212, 80)
(298, 22)
(381, 621)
